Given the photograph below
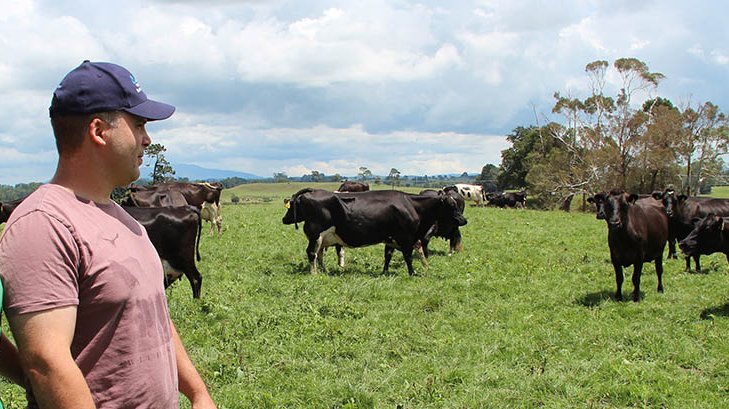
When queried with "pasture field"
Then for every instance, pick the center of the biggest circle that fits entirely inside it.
(523, 318)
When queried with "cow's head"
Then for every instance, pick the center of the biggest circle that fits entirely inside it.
(616, 207)
(613, 207)
(670, 201)
(706, 237)
(450, 213)
(599, 200)
(294, 211)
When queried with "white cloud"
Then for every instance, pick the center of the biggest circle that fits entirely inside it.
(426, 87)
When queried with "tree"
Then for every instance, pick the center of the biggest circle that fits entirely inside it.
(704, 139)
(316, 176)
(162, 170)
(364, 173)
(488, 177)
(656, 158)
(393, 177)
(280, 177)
(603, 133)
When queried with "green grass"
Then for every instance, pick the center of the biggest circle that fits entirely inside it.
(523, 318)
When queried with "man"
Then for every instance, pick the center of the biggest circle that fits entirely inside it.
(9, 363)
(83, 284)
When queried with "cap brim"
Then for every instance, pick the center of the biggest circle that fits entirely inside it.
(152, 110)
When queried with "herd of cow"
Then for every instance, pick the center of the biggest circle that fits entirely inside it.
(353, 216)
(172, 213)
(640, 226)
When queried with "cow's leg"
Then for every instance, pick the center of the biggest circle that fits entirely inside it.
(389, 249)
(697, 264)
(688, 264)
(659, 273)
(422, 253)
(421, 246)
(320, 258)
(618, 281)
(407, 253)
(311, 252)
(195, 280)
(637, 271)
(672, 247)
(340, 255)
(456, 243)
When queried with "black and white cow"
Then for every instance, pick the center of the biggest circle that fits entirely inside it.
(473, 193)
(360, 219)
(507, 199)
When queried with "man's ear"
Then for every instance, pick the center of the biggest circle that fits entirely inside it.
(97, 130)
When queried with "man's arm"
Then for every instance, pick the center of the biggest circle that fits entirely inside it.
(44, 345)
(10, 362)
(191, 384)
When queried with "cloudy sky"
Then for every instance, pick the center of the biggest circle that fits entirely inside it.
(427, 87)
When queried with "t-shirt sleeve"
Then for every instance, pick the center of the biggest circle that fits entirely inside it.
(39, 261)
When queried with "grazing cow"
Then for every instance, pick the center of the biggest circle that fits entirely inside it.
(472, 193)
(175, 234)
(348, 186)
(637, 233)
(451, 233)
(507, 199)
(709, 236)
(682, 211)
(392, 217)
(211, 213)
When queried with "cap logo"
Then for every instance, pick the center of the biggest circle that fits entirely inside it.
(137, 87)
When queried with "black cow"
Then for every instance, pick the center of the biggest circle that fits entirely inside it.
(709, 236)
(6, 208)
(175, 234)
(195, 194)
(507, 199)
(392, 217)
(154, 198)
(682, 211)
(451, 232)
(637, 233)
(348, 186)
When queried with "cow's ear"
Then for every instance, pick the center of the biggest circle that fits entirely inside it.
(681, 198)
(657, 195)
(632, 198)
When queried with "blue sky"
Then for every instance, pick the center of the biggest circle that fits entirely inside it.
(427, 87)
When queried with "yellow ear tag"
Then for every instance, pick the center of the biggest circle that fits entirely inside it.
(287, 205)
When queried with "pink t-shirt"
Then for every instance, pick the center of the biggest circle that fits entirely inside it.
(58, 250)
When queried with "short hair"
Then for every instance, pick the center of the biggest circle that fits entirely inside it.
(70, 130)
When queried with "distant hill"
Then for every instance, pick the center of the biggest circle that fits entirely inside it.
(194, 172)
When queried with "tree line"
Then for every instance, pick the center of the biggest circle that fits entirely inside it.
(605, 142)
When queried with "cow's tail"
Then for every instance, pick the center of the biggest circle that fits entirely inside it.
(199, 232)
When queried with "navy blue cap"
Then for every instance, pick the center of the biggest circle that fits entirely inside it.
(102, 87)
